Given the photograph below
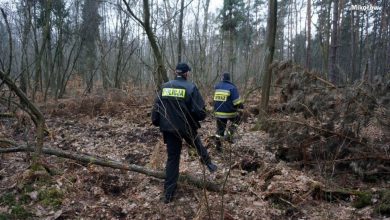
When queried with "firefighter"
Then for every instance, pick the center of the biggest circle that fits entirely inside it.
(227, 105)
(177, 111)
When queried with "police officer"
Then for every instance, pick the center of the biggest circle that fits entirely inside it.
(227, 102)
(177, 111)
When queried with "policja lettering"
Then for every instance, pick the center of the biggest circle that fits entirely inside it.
(221, 95)
(171, 92)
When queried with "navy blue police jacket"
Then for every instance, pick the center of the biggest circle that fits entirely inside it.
(226, 100)
(179, 107)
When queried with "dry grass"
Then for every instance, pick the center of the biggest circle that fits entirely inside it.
(158, 157)
(113, 102)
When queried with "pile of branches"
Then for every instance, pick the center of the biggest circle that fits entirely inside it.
(330, 127)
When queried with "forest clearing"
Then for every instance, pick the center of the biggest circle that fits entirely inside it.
(259, 181)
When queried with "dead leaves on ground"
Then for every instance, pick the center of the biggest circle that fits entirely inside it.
(258, 186)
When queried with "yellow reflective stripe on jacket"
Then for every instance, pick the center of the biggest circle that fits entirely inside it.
(237, 101)
(172, 92)
(225, 114)
(223, 91)
(221, 95)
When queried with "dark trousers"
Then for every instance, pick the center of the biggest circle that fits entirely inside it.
(174, 145)
(221, 127)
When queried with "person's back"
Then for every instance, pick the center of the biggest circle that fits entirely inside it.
(183, 107)
(226, 98)
(177, 111)
(227, 101)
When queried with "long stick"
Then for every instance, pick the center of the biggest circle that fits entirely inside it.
(198, 182)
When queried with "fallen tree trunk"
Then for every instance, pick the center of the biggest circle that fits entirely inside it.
(4, 142)
(196, 181)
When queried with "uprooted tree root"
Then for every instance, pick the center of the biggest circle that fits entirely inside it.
(292, 204)
(334, 129)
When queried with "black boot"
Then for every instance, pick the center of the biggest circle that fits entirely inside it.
(168, 198)
(169, 192)
(210, 165)
(168, 195)
(218, 144)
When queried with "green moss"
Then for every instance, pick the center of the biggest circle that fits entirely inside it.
(5, 216)
(37, 167)
(384, 204)
(371, 178)
(383, 209)
(51, 197)
(363, 200)
(73, 179)
(28, 188)
(24, 199)
(8, 199)
(335, 195)
(18, 212)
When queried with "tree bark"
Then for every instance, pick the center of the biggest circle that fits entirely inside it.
(25, 69)
(180, 33)
(89, 34)
(333, 51)
(204, 67)
(196, 181)
(269, 53)
(308, 54)
(8, 70)
(119, 59)
(48, 58)
(359, 74)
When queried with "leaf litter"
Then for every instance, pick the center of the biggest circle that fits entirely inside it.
(259, 185)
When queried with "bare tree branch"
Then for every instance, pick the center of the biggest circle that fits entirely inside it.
(133, 14)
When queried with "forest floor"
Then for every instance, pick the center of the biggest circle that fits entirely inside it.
(258, 185)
